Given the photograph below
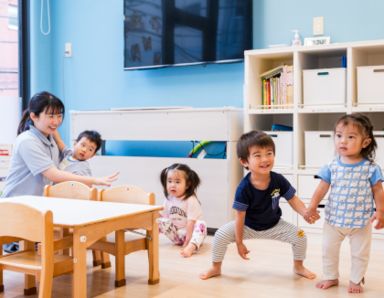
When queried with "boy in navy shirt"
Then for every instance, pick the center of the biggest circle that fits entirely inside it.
(258, 215)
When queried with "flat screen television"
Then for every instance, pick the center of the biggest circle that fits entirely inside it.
(160, 33)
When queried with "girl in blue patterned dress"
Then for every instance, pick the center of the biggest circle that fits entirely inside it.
(355, 184)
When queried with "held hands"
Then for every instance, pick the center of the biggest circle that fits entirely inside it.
(243, 251)
(311, 215)
(379, 218)
(107, 180)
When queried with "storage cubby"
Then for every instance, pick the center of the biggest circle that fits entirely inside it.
(323, 77)
(283, 139)
(315, 107)
(315, 138)
(367, 76)
(254, 67)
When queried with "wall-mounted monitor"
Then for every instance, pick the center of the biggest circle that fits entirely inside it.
(160, 33)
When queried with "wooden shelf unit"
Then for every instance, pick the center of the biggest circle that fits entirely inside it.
(316, 116)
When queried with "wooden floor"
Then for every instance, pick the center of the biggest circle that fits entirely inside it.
(267, 274)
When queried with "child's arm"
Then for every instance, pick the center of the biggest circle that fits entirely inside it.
(318, 195)
(300, 208)
(239, 228)
(378, 195)
(59, 141)
(189, 230)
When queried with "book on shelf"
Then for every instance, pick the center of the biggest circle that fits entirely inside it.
(277, 86)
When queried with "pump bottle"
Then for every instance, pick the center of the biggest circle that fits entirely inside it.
(296, 41)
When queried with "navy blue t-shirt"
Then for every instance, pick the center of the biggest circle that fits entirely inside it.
(261, 207)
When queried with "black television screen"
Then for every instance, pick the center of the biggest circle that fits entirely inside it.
(180, 32)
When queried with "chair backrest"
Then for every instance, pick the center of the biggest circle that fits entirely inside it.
(27, 223)
(24, 222)
(71, 190)
(127, 194)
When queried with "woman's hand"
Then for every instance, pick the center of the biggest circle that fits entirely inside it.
(106, 181)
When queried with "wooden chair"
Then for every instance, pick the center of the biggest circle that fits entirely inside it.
(20, 222)
(122, 245)
(73, 190)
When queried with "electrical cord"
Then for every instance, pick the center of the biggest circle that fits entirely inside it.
(48, 18)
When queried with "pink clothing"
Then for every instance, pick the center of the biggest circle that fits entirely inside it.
(174, 219)
(177, 236)
(180, 211)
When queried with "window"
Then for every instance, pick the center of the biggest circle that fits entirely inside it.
(9, 49)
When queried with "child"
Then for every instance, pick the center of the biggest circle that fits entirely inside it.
(355, 182)
(75, 160)
(181, 220)
(258, 215)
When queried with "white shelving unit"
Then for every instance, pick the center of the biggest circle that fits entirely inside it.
(219, 177)
(314, 117)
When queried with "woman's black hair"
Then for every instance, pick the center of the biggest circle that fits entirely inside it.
(191, 177)
(40, 102)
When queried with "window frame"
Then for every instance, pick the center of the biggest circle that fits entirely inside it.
(24, 52)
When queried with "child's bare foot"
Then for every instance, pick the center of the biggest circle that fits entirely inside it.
(188, 251)
(215, 270)
(325, 284)
(355, 288)
(299, 269)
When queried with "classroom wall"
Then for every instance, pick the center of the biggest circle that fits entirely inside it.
(94, 77)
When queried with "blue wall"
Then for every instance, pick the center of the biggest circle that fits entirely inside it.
(94, 77)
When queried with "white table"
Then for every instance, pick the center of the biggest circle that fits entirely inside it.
(92, 220)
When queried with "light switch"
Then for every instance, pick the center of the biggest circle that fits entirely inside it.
(68, 49)
(318, 26)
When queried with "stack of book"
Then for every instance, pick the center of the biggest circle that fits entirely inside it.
(277, 87)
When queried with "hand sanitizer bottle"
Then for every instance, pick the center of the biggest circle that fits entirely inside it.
(296, 41)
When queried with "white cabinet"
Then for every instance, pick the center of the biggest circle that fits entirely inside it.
(219, 177)
(328, 81)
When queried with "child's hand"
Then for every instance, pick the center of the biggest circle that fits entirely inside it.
(243, 251)
(379, 218)
(107, 181)
(311, 215)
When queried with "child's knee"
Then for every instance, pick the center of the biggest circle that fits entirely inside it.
(164, 224)
(200, 227)
(301, 237)
(224, 236)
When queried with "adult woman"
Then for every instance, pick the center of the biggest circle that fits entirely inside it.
(36, 156)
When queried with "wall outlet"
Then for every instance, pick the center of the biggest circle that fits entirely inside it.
(68, 49)
(318, 26)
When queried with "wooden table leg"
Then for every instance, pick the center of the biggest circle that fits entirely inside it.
(153, 252)
(79, 265)
(120, 258)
